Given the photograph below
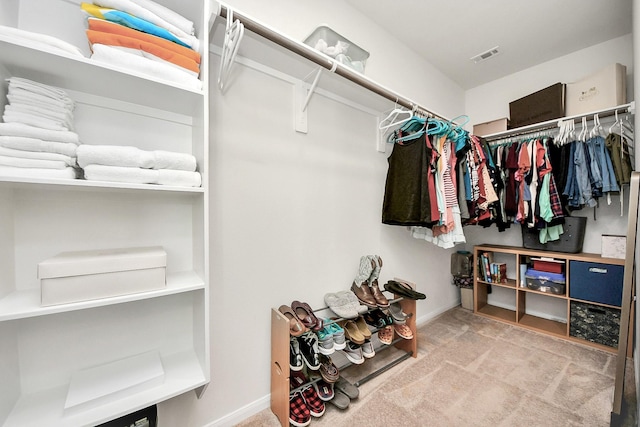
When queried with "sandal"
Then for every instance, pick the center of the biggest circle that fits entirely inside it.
(305, 314)
(385, 335)
(352, 332)
(347, 388)
(403, 289)
(296, 327)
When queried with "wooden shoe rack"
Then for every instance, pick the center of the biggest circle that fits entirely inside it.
(280, 389)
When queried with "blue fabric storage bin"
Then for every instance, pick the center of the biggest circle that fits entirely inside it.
(592, 281)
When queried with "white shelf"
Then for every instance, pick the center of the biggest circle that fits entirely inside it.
(24, 304)
(46, 408)
(85, 75)
(20, 182)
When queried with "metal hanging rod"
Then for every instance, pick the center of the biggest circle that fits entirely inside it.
(551, 124)
(325, 61)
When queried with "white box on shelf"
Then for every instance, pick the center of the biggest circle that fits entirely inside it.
(85, 275)
(614, 246)
(604, 89)
(327, 41)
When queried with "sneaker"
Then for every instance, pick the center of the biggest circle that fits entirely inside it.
(309, 349)
(367, 349)
(324, 390)
(339, 342)
(295, 358)
(312, 400)
(354, 353)
(299, 413)
(325, 341)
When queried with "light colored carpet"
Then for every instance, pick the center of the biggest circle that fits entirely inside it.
(473, 371)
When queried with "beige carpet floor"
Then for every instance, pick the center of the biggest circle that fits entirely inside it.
(473, 371)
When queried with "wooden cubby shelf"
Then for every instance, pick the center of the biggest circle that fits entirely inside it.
(549, 313)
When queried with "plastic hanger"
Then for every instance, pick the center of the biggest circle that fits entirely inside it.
(391, 119)
(232, 38)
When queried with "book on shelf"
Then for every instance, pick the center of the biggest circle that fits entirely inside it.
(485, 260)
(498, 272)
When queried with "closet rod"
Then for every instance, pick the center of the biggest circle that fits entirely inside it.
(324, 61)
(550, 124)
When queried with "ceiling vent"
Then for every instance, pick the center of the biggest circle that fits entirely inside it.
(485, 55)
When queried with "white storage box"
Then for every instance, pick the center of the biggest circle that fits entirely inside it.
(605, 89)
(85, 275)
(614, 246)
(325, 40)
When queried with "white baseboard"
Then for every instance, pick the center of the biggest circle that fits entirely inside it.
(243, 413)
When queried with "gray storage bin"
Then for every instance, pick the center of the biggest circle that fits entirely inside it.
(595, 323)
(570, 241)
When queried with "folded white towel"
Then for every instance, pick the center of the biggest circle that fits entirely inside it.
(39, 88)
(32, 120)
(127, 61)
(168, 15)
(33, 144)
(63, 118)
(18, 162)
(141, 53)
(20, 129)
(38, 155)
(23, 97)
(42, 41)
(116, 155)
(143, 13)
(142, 176)
(67, 173)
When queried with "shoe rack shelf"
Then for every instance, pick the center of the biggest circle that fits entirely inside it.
(552, 314)
(280, 373)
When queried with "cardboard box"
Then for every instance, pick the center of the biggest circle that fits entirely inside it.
(494, 126)
(614, 246)
(604, 89)
(540, 106)
(85, 275)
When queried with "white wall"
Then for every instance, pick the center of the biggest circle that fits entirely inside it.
(292, 213)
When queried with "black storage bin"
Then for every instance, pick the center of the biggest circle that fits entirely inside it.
(592, 281)
(147, 417)
(570, 241)
(594, 323)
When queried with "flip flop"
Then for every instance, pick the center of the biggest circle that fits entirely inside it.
(305, 314)
(296, 327)
(347, 388)
(403, 289)
(340, 400)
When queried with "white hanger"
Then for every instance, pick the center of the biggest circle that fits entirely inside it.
(597, 128)
(392, 116)
(232, 38)
(616, 123)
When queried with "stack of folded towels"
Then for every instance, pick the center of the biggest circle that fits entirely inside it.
(37, 138)
(144, 36)
(132, 165)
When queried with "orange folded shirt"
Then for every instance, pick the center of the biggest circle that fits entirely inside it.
(111, 39)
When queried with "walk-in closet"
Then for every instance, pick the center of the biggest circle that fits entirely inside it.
(249, 213)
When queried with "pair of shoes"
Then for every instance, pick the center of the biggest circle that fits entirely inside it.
(403, 331)
(295, 357)
(304, 402)
(404, 290)
(324, 390)
(296, 327)
(353, 352)
(378, 318)
(385, 335)
(365, 284)
(344, 392)
(345, 304)
(328, 370)
(399, 316)
(308, 343)
(304, 312)
(331, 338)
(357, 330)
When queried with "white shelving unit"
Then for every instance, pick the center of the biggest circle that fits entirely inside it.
(44, 347)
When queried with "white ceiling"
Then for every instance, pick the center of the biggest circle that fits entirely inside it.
(448, 33)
